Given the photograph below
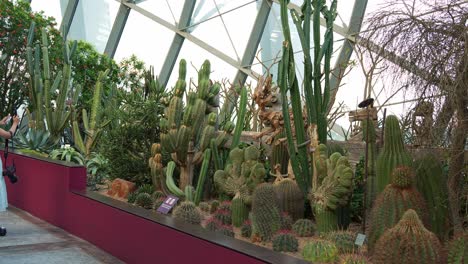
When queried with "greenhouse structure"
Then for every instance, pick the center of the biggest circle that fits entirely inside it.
(234, 131)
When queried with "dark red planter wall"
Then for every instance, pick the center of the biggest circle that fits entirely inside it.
(44, 190)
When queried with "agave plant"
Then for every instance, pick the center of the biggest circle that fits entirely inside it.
(97, 167)
(34, 139)
(67, 154)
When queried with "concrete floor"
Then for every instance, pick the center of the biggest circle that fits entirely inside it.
(30, 240)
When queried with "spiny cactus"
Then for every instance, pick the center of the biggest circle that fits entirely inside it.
(390, 205)
(285, 242)
(157, 194)
(291, 198)
(212, 224)
(402, 177)
(408, 242)
(353, 259)
(304, 228)
(158, 202)
(204, 206)
(265, 213)
(214, 206)
(223, 216)
(431, 182)
(320, 251)
(156, 166)
(239, 211)
(246, 229)
(392, 155)
(242, 174)
(458, 250)
(226, 230)
(286, 221)
(332, 190)
(188, 212)
(144, 200)
(225, 206)
(344, 241)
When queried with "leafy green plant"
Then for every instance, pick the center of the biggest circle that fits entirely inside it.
(67, 153)
(98, 168)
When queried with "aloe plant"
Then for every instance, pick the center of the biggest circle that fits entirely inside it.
(67, 154)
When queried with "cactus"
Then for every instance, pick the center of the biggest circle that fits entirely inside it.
(368, 130)
(212, 224)
(144, 200)
(431, 182)
(304, 228)
(458, 250)
(344, 241)
(246, 229)
(189, 192)
(158, 202)
(265, 212)
(286, 221)
(392, 155)
(132, 197)
(408, 242)
(240, 118)
(204, 207)
(285, 242)
(214, 206)
(353, 259)
(332, 190)
(291, 198)
(239, 211)
(156, 166)
(157, 194)
(226, 230)
(320, 251)
(392, 203)
(225, 206)
(223, 216)
(242, 175)
(202, 176)
(188, 212)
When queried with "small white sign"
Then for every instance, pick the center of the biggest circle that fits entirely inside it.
(360, 240)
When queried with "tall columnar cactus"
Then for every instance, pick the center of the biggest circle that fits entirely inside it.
(156, 166)
(42, 86)
(186, 131)
(431, 182)
(265, 212)
(409, 242)
(332, 190)
(239, 211)
(320, 251)
(242, 175)
(392, 203)
(392, 155)
(458, 250)
(94, 124)
(188, 212)
(369, 135)
(291, 198)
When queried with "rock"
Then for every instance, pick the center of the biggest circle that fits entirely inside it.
(121, 188)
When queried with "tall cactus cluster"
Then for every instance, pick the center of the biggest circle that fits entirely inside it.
(291, 198)
(393, 202)
(408, 242)
(431, 182)
(392, 155)
(265, 212)
(332, 187)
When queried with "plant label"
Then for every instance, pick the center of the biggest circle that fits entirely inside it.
(360, 240)
(168, 204)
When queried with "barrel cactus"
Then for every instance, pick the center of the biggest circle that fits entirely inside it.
(246, 229)
(144, 200)
(204, 207)
(408, 242)
(158, 202)
(225, 206)
(320, 251)
(285, 242)
(393, 154)
(223, 216)
(214, 206)
(286, 221)
(265, 212)
(458, 250)
(392, 203)
(226, 230)
(239, 211)
(188, 212)
(332, 187)
(304, 228)
(344, 241)
(212, 224)
(291, 198)
(157, 194)
(353, 259)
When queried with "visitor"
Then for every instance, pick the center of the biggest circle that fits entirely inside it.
(3, 192)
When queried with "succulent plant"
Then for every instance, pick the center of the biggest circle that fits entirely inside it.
(204, 206)
(146, 188)
(304, 228)
(390, 205)
(158, 202)
(223, 216)
(246, 229)
(353, 259)
(239, 211)
(214, 206)
(225, 206)
(212, 224)
(188, 212)
(408, 242)
(226, 230)
(286, 221)
(458, 250)
(344, 241)
(402, 177)
(266, 219)
(291, 198)
(144, 200)
(131, 198)
(157, 194)
(321, 251)
(285, 242)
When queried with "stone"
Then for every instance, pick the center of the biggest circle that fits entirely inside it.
(121, 188)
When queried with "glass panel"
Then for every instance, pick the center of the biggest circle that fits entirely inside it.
(54, 8)
(345, 10)
(167, 10)
(151, 46)
(93, 22)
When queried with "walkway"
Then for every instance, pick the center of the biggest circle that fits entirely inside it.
(30, 240)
